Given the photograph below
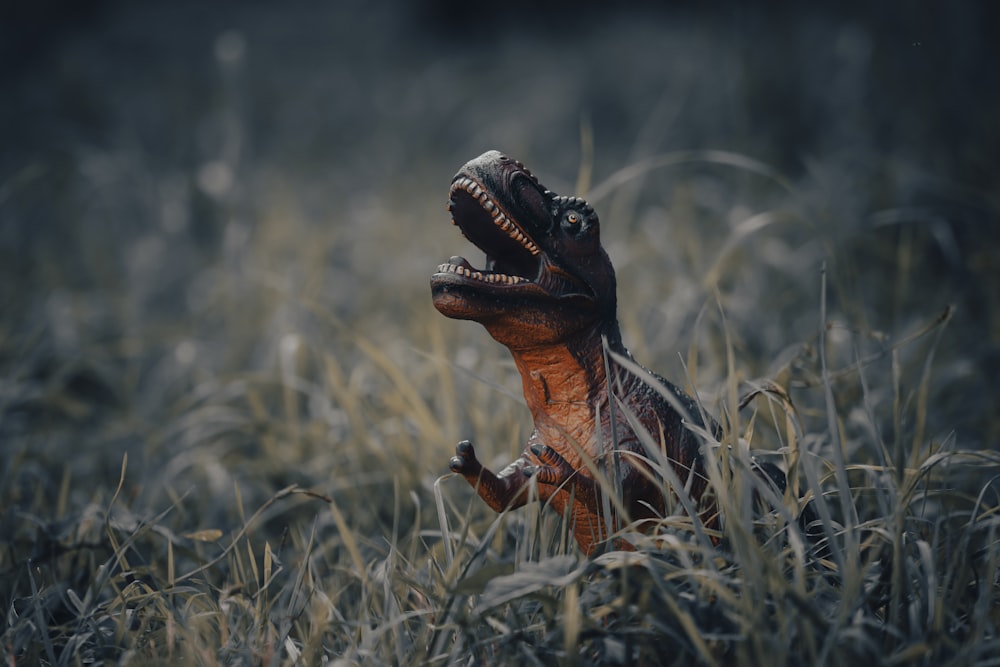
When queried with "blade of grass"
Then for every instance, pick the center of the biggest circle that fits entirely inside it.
(719, 157)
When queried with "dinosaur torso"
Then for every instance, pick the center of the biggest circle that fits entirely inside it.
(548, 294)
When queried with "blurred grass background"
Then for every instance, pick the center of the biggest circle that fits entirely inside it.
(217, 223)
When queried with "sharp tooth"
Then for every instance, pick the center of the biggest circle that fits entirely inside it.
(489, 205)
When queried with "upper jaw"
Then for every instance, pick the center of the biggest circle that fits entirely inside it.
(493, 228)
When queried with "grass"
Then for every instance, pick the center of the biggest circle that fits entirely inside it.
(295, 513)
(227, 403)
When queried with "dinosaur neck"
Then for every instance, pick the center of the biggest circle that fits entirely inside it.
(565, 382)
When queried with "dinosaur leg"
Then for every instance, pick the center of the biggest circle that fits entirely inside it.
(587, 521)
(508, 490)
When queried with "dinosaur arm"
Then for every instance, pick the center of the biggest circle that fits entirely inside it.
(503, 491)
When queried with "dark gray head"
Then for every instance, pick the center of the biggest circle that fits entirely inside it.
(546, 275)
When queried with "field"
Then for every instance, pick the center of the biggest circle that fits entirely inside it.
(227, 403)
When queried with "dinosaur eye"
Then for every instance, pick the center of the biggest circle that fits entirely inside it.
(578, 223)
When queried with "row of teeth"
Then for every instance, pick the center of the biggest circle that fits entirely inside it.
(499, 219)
(495, 278)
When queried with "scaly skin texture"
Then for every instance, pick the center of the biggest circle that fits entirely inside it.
(548, 294)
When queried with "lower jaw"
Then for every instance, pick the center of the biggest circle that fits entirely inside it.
(485, 277)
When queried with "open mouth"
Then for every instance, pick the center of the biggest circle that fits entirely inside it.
(512, 257)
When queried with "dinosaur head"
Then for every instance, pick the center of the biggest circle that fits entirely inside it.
(546, 275)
